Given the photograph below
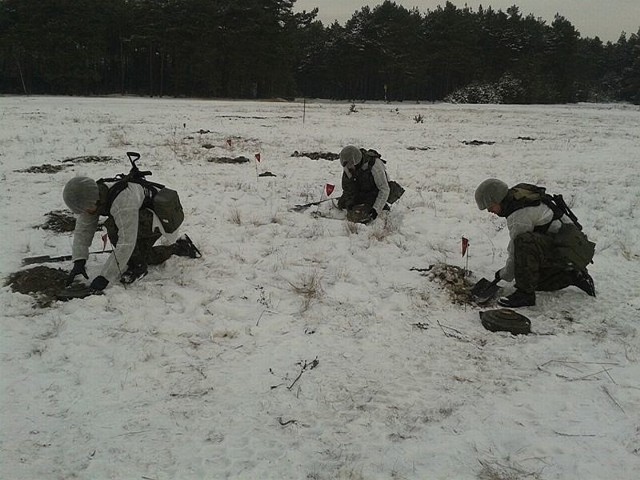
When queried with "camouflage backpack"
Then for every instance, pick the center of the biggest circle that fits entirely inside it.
(163, 201)
(571, 242)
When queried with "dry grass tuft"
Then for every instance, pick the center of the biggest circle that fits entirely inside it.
(382, 229)
(59, 221)
(234, 217)
(309, 287)
(497, 471)
(352, 228)
(455, 280)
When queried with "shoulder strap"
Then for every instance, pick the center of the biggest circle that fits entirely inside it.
(560, 204)
(521, 196)
(150, 191)
(370, 156)
(112, 192)
(528, 195)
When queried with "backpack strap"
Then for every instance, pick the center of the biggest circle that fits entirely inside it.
(120, 184)
(528, 195)
(370, 156)
(561, 205)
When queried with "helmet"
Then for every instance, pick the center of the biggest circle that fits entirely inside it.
(489, 192)
(80, 193)
(350, 156)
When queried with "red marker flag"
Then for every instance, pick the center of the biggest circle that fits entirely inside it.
(105, 237)
(465, 245)
(258, 157)
(328, 188)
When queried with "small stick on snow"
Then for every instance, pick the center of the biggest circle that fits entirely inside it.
(606, 390)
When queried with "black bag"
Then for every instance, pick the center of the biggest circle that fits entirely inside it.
(166, 205)
(395, 191)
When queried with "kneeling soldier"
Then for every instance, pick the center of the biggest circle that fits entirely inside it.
(132, 227)
(547, 249)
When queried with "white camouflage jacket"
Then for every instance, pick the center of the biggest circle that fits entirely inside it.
(125, 212)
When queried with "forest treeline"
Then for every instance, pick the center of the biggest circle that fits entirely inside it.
(263, 49)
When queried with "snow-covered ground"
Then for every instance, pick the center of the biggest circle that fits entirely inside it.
(292, 348)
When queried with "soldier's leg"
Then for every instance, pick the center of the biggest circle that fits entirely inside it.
(531, 254)
(145, 252)
(555, 277)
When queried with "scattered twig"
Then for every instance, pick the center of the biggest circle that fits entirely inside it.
(421, 325)
(310, 366)
(606, 390)
(288, 422)
(294, 382)
(416, 269)
(610, 377)
(191, 394)
(261, 314)
(573, 434)
(199, 370)
(604, 370)
(459, 336)
(126, 434)
(578, 361)
(568, 364)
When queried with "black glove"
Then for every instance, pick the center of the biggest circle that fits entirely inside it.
(78, 269)
(98, 284)
(370, 217)
(497, 277)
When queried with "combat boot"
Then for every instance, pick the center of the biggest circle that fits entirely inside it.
(584, 282)
(133, 273)
(518, 299)
(184, 247)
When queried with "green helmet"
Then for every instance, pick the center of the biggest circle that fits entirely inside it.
(80, 193)
(350, 156)
(489, 192)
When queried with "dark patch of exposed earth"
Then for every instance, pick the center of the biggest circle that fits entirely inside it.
(42, 283)
(46, 168)
(317, 155)
(59, 221)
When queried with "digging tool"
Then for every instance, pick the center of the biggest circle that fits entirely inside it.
(49, 259)
(76, 290)
(484, 290)
(303, 207)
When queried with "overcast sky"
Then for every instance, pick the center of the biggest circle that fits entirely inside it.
(603, 18)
